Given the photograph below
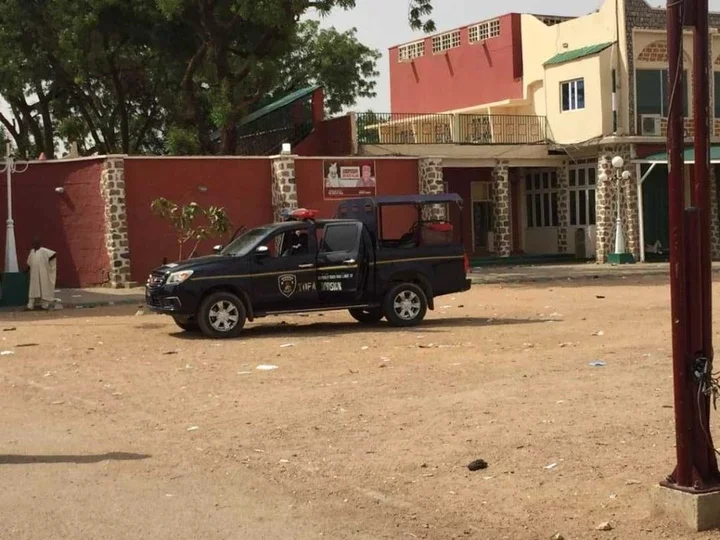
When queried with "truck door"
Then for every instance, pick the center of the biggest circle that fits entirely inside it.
(341, 263)
(283, 276)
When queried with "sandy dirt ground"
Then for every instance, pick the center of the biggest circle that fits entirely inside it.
(117, 426)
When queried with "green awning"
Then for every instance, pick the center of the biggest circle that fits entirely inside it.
(576, 54)
(279, 104)
(688, 154)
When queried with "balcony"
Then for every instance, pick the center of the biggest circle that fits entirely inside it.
(471, 129)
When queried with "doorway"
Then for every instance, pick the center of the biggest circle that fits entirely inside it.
(482, 217)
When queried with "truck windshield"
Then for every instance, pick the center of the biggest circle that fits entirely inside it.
(245, 243)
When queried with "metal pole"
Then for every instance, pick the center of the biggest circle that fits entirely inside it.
(682, 476)
(690, 278)
(701, 314)
(11, 262)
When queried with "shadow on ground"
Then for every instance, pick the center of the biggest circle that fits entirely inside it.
(331, 329)
(82, 460)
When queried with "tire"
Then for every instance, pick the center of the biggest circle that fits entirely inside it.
(367, 315)
(405, 305)
(189, 324)
(221, 315)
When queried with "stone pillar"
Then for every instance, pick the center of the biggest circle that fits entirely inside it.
(562, 208)
(112, 188)
(501, 209)
(631, 207)
(284, 188)
(606, 203)
(431, 182)
(714, 218)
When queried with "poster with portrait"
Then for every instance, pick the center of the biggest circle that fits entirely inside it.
(348, 178)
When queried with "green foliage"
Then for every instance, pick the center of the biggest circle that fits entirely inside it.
(149, 76)
(182, 142)
(335, 60)
(192, 222)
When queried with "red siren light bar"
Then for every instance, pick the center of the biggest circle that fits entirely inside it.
(303, 214)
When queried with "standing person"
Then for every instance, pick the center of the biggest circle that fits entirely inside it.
(43, 273)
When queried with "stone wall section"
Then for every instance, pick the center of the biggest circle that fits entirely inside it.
(562, 208)
(431, 181)
(501, 210)
(112, 187)
(284, 187)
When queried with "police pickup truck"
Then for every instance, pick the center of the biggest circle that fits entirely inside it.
(305, 264)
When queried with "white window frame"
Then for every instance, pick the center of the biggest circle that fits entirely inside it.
(542, 190)
(582, 194)
(445, 42)
(407, 53)
(484, 31)
(573, 93)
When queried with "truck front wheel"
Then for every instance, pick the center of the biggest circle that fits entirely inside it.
(405, 305)
(221, 315)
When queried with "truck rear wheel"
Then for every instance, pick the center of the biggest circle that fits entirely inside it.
(221, 315)
(405, 305)
(367, 315)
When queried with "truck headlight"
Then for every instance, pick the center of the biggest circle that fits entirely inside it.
(178, 277)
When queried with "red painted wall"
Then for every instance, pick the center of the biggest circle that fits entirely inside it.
(394, 177)
(71, 223)
(329, 138)
(462, 77)
(241, 185)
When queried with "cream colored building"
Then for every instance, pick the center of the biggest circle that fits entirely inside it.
(599, 85)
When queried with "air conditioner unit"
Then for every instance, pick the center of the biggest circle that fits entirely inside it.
(650, 125)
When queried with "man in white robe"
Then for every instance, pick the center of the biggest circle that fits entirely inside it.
(43, 273)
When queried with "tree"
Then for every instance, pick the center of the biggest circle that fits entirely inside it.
(335, 60)
(237, 44)
(145, 76)
(93, 72)
(192, 222)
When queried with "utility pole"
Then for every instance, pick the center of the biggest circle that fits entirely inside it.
(696, 470)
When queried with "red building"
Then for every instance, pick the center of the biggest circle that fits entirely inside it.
(463, 68)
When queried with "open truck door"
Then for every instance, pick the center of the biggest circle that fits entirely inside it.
(342, 262)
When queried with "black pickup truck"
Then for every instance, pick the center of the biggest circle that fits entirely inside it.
(306, 264)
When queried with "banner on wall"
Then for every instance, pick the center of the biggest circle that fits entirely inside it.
(348, 178)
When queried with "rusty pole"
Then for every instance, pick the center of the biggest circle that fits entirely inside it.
(682, 476)
(690, 258)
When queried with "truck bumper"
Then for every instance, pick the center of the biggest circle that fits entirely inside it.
(169, 301)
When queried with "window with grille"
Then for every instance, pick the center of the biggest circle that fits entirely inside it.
(445, 42)
(581, 201)
(541, 199)
(408, 52)
(484, 31)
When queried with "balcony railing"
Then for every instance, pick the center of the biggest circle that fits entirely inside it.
(479, 129)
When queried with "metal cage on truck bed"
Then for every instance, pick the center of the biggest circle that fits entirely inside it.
(369, 209)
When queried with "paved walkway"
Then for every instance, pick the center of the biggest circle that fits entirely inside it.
(545, 273)
(95, 297)
(100, 296)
